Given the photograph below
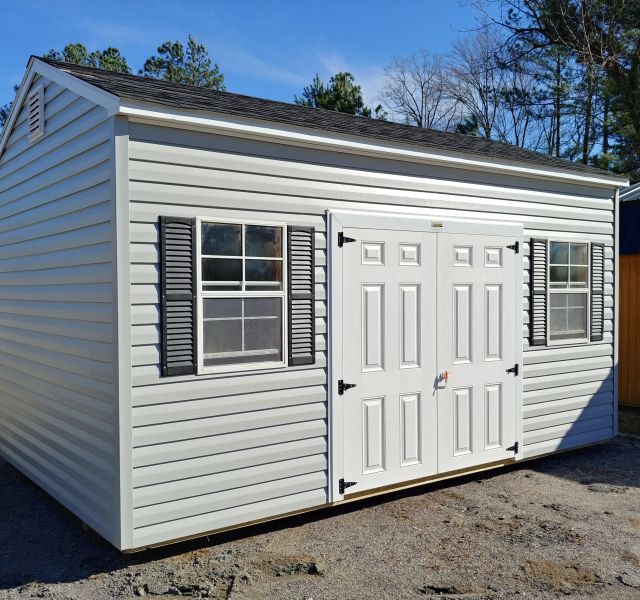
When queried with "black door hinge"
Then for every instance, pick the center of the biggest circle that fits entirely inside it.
(513, 448)
(343, 485)
(343, 239)
(343, 387)
(515, 247)
(515, 369)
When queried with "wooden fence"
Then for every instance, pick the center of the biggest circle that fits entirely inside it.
(629, 345)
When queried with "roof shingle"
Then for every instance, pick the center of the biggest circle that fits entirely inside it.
(195, 98)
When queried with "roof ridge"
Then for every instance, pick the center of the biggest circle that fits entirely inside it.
(137, 87)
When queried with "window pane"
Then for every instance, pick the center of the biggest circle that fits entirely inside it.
(579, 254)
(222, 336)
(559, 253)
(222, 238)
(261, 307)
(263, 241)
(221, 308)
(568, 317)
(559, 276)
(221, 269)
(579, 277)
(264, 334)
(263, 270)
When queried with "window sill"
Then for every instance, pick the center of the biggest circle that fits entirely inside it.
(245, 369)
(572, 342)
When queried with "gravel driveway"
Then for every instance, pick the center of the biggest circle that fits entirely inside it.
(565, 525)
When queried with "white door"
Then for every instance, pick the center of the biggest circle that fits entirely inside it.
(476, 345)
(389, 353)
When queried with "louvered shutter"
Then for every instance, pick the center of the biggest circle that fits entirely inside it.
(538, 292)
(301, 265)
(597, 292)
(178, 295)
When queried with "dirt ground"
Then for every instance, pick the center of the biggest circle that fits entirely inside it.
(567, 525)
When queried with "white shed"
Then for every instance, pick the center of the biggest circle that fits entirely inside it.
(217, 309)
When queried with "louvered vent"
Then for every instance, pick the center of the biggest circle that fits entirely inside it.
(538, 292)
(35, 116)
(597, 292)
(301, 265)
(178, 295)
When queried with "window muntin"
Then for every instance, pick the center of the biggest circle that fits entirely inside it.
(242, 295)
(568, 280)
(568, 265)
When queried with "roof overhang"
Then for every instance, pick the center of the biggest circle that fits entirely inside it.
(315, 138)
(291, 135)
(37, 67)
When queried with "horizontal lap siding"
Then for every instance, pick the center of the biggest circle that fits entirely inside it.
(212, 452)
(56, 314)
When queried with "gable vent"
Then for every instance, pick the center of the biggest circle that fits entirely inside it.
(35, 106)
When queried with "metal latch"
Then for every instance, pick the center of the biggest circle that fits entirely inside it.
(515, 247)
(343, 239)
(343, 485)
(515, 369)
(513, 448)
(343, 387)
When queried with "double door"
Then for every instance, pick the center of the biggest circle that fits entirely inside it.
(428, 337)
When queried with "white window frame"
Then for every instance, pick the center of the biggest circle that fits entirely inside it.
(283, 294)
(585, 291)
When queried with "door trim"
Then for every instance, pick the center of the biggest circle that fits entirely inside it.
(337, 220)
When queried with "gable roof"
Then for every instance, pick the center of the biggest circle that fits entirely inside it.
(181, 97)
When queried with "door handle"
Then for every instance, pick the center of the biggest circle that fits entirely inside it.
(442, 378)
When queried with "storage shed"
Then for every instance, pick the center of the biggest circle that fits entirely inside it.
(629, 360)
(217, 309)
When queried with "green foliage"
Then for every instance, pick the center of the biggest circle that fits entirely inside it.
(191, 65)
(469, 126)
(340, 94)
(109, 59)
(4, 110)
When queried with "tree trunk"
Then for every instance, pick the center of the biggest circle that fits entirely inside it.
(558, 102)
(588, 109)
(605, 124)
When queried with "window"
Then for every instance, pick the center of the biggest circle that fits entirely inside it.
(568, 278)
(241, 295)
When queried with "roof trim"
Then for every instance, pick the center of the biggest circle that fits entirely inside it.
(301, 136)
(35, 67)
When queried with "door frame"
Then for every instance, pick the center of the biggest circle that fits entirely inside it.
(337, 220)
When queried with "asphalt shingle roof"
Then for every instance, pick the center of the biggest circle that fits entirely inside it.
(194, 98)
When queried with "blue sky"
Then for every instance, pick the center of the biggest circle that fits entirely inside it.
(265, 48)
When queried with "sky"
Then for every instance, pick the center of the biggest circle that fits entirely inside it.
(268, 48)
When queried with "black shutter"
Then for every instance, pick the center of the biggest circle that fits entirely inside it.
(538, 292)
(178, 255)
(597, 292)
(301, 312)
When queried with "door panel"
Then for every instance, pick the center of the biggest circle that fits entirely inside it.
(388, 351)
(476, 345)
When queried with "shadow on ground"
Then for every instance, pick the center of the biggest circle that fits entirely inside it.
(40, 541)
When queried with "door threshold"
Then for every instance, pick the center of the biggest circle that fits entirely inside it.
(404, 485)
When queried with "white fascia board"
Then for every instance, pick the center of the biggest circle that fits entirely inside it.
(294, 135)
(35, 67)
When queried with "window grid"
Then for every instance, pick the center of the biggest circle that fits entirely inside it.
(556, 290)
(241, 293)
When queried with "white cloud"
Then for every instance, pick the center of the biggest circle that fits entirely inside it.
(236, 59)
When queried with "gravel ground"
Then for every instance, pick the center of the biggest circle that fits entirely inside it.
(567, 525)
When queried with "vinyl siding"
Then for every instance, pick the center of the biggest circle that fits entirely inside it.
(56, 314)
(211, 452)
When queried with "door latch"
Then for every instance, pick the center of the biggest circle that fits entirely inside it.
(343, 387)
